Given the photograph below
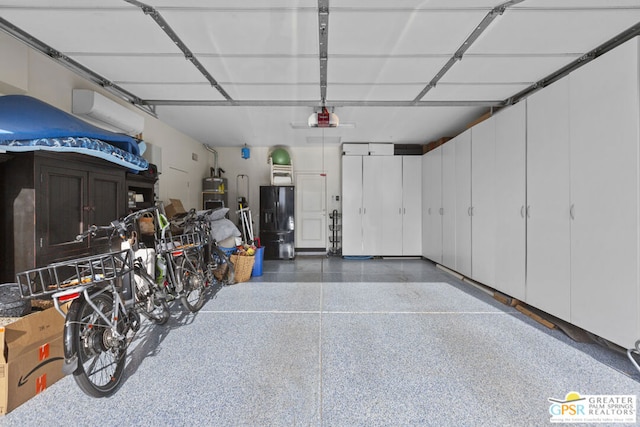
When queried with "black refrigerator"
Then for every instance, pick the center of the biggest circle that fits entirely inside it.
(276, 221)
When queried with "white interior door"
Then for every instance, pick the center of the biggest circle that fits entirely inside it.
(176, 182)
(311, 210)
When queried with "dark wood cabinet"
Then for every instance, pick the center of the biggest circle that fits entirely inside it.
(144, 187)
(47, 200)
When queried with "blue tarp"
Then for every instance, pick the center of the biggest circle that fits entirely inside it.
(28, 122)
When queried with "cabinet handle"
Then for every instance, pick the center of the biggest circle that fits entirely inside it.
(522, 211)
(429, 211)
(528, 211)
(441, 211)
(572, 212)
(364, 211)
(399, 211)
(469, 211)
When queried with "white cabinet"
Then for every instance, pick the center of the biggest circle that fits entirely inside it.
(510, 200)
(604, 121)
(483, 209)
(411, 205)
(548, 199)
(373, 192)
(463, 203)
(390, 228)
(381, 205)
(425, 202)
(432, 208)
(449, 205)
(352, 205)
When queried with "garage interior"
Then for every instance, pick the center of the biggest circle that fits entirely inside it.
(483, 160)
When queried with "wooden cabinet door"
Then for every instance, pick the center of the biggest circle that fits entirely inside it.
(106, 198)
(61, 208)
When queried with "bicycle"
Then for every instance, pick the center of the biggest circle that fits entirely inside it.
(215, 261)
(105, 301)
(180, 265)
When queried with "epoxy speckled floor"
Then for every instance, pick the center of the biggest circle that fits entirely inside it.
(331, 342)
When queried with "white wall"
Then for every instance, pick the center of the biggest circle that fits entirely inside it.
(26, 71)
(314, 158)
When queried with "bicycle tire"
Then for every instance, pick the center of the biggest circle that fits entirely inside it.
(224, 273)
(100, 362)
(191, 277)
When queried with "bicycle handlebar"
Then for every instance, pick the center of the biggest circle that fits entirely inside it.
(119, 226)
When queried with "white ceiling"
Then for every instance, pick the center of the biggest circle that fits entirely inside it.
(265, 55)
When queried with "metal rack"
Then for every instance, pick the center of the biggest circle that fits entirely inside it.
(335, 227)
(178, 243)
(65, 275)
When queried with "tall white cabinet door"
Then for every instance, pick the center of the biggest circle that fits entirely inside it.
(510, 193)
(463, 203)
(604, 132)
(434, 205)
(412, 205)
(391, 194)
(548, 196)
(483, 221)
(426, 224)
(351, 205)
(372, 202)
(449, 205)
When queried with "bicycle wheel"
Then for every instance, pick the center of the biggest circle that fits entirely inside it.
(192, 282)
(224, 272)
(101, 357)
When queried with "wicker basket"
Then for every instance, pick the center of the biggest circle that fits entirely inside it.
(242, 264)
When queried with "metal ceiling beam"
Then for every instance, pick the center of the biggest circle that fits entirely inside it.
(323, 45)
(457, 56)
(616, 41)
(155, 15)
(74, 66)
(314, 103)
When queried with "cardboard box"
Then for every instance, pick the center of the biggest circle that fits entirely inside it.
(32, 357)
(174, 208)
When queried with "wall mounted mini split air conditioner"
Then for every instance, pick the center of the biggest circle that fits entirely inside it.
(102, 110)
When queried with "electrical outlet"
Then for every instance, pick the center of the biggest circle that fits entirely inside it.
(194, 157)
